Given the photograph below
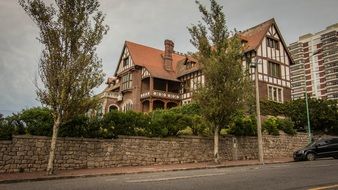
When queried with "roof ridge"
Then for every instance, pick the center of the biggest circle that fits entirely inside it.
(143, 45)
(258, 25)
(174, 52)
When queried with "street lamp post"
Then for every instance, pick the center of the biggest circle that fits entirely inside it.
(307, 101)
(258, 116)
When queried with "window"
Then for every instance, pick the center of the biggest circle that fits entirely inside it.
(272, 43)
(190, 64)
(275, 94)
(125, 61)
(274, 69)
(126, 81)
(127, 106)
(187, 86)
(160, 84)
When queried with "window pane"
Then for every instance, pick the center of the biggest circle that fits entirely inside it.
(279, 95)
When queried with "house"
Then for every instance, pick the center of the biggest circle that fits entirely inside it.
(147, 78)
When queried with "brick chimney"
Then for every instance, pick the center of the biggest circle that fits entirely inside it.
(168, 55)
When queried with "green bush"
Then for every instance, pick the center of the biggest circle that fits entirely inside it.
(117, 123)
(6, 130)
(11, 126)
(270, 125)
(273, 124)
(224, 132)
(199, 125)
(39, 121)
(187, 109)
(243, 126)
(287, 126)
(186, 132)
(77, 127)
(167, 123)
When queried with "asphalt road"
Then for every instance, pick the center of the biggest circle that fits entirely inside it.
(319, 174)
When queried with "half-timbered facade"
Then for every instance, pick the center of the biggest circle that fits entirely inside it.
(147, 78)
(265, 46)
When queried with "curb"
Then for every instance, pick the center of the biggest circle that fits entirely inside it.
(45, 178)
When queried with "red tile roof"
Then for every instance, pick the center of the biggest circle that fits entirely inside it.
(152, 60)
(254, 36)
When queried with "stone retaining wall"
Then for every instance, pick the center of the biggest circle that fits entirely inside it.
(30, 153)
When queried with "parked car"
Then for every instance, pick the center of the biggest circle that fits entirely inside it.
(318, 149)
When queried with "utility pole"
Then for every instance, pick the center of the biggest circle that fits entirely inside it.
(308, 118)
(258, 112)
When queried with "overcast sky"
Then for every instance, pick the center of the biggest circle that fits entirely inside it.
(148, 22)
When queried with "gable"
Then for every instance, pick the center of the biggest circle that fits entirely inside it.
(281, 53)
(125, 61)
(152, 60)
(272, 32)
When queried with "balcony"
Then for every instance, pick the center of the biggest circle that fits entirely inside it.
(114, 95)
(161, 94)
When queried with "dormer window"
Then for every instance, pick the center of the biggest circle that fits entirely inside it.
(273, 43)
(125, 61)
(190, 64)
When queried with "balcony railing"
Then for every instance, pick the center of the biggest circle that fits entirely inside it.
(161, 94)
(114, 95)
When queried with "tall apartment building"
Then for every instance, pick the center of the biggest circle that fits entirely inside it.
(147, 78)
(316, 64)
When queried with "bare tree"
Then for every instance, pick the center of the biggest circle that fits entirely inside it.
(225, 89)
(69, 68)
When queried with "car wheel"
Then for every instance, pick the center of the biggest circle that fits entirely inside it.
(310, 156)
(335, 157)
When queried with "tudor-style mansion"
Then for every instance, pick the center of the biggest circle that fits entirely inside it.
(147, 78)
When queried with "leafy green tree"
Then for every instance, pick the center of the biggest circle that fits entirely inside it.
(188, 109)
(226, 88)
(69, 68)
(39, 121)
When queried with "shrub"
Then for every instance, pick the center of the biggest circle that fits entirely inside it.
(39, 121)
(76, 127)
(6, 130)
(199, 125)
(224, 132)
(11, 126)
(287, 126)
(117, 123)
(273, 124)
(167, 123)
(270, 125)
(243, 126)
(187, 109)
(186, 132)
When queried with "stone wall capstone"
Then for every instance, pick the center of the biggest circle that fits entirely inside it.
(30, 153)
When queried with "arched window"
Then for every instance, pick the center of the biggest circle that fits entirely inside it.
(113, 107)
(158, 104)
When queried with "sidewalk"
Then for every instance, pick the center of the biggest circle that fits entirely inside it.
(63, 174)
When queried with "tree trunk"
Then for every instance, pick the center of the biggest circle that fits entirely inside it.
(216, 140)
(50, 166)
